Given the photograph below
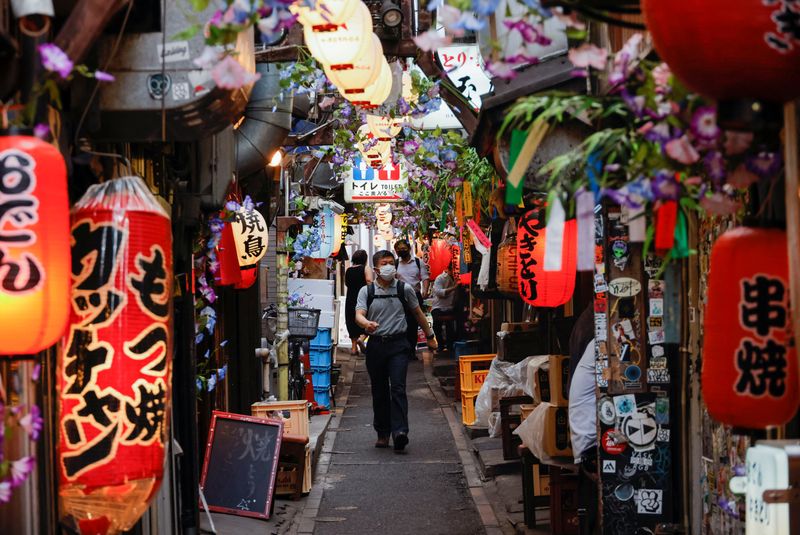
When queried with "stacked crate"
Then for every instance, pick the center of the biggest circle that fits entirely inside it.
(473, 370)
(295, 422)
(321, 357)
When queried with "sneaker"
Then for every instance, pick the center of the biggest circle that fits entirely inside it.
(382, 442)
(400, 442)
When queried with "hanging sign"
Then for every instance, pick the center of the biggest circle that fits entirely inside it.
(749, 375)
(34, 245)
(464, 67)
(114, 372)
(329, 239)
(362, 183)
(537, 286)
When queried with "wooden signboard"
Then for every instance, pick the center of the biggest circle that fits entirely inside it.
(241, 463)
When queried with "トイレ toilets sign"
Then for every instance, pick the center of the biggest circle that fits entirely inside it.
(364, 183)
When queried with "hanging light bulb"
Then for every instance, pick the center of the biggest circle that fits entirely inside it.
(339, 46)
(354, 79)
(326, 13)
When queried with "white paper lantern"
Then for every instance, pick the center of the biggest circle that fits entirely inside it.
(384, 127)
(325, 12)
(376, 93)
(345, 43)
(251, 236)
(355, 78)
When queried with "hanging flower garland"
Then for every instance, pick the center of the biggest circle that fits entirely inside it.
(665, 144)
(14, 473)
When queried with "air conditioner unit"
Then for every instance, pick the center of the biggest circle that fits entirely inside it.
(158, 83)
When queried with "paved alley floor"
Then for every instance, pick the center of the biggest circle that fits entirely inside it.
(370, 490)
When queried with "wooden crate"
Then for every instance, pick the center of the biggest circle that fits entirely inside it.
(293, 413)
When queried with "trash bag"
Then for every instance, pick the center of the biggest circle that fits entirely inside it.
(506, 379)
(532, 430)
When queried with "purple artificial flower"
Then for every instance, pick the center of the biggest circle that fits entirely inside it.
(337, 159)
(764, 164)
(212, 382)
(530, 33)
(221, 372)
(657, 132)
(103, 76)
(402, 106)
(20, 469)
(704, 124)
(42, 131)
(661, 76)
(682, 150)
(32, 422)
(37, 372)
(5, 491)
(55, 60)
(501, 69)
(623, 60)
(455, 181)
(664, 187)
(589, 55)
(715, 166)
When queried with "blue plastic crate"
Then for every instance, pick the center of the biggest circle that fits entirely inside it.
(321, 356)
(323, 338)
(323, 397)
(321, 376)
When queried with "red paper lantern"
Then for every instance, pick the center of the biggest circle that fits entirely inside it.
(248, 278)
(749, 373)
(729, 49)
(439, 257)
(115, 369)
(536, 286)
(34, 245)
(229, 272)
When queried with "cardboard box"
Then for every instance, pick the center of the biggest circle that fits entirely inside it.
(551, 385)
(556, 440)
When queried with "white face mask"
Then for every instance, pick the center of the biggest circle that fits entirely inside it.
(387, 272)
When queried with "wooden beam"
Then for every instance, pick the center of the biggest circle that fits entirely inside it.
(85, 24)
(791, 148)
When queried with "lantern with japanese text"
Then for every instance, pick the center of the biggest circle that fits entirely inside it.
(749, 376)
(377, 92)
(538, 287)
(355, 78)
(115, 370)
(251, 237)
(34, 245)
(229, 272)
(384, 127)
(326, 223)
(439, 257)
(324, 13)
(695, 38)
(339, 45)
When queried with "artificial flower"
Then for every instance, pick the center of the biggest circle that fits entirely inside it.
(102, 76)
(42, 131)
(589, 55)
(432, 40)
(682, 150)
(230, 74)
(764, 164)
(326, 102)
(719, 203)
(704, 123)
(20, 469)
(664, 187)
(55, 60)
(501, 69)
(742, 177)
(530, 33)
(485, 8)
(209, 57)
(715, 166)
(212, 382)
(624, 60)
(449, 16)
(661, 76)
(570, 20)
(32, 422)
(5, 491)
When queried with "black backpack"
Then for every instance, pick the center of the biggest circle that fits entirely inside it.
(401, 295)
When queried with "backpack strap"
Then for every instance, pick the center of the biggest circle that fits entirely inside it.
(401, 294)
(370, 295)
(419, 266)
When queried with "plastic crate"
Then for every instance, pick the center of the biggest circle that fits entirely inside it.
(293, 413)
(466, 347)
(321, 376)
(322, 396)
(323, 337)
(321, 356)
(474, 369)
(303, 322)
(468, 407)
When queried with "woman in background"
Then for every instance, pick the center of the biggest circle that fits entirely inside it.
(356, 277)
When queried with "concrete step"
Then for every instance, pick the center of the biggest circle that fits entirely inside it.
(489, 452)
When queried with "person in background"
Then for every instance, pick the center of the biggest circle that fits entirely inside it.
(381, 311)
(583, 417)
(442, 310)
(414, 273)
(356, 277)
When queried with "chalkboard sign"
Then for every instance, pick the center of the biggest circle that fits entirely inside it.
(241, 464)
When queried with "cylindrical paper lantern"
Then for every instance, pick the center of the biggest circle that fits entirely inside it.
(384, 127)
(34, 245)
(325, 12)
(355, 78)
(251, 236)
(115, 370)
(695, 38)
(376, 93)
(749, 376)
(343, 44)
(327, 226)
(536, 286)
(439, 256)
(229, 272)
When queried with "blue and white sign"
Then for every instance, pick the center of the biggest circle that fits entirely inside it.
(364, 183)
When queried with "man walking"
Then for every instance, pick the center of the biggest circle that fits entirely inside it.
(444, 288)
(381, 311)
(414, 273)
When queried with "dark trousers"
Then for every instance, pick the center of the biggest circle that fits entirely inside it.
(444, 321)
(387, 364)
(588, 495)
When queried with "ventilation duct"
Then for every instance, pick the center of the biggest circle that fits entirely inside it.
(176, 93)
(266, 122)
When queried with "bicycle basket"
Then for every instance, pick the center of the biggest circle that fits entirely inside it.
(303, 322)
